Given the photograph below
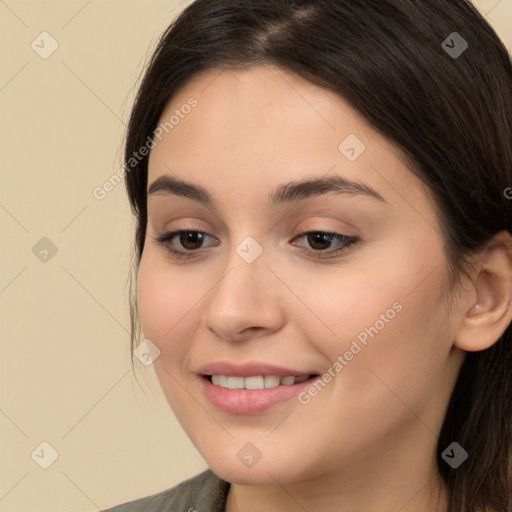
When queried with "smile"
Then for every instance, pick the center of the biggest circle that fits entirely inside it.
(251, 387)
(256, 381)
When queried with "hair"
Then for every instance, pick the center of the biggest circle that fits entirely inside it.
(451, 116)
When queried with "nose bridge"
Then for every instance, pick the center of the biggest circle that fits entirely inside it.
(243, 277)
(243, 297)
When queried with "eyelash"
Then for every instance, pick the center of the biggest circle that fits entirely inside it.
(349, 242)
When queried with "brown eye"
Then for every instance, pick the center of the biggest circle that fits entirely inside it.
(190, 241)
(320, 243)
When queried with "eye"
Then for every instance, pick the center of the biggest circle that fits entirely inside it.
(189, 239)
(321, 240)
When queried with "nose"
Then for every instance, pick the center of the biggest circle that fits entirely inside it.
(245, 302)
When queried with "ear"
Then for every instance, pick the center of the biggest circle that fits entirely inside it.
(487, 317)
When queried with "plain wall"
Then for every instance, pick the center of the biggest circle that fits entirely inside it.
(65, 369)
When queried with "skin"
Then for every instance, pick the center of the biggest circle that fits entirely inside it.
(367, 440)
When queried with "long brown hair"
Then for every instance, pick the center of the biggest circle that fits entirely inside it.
(446, 103)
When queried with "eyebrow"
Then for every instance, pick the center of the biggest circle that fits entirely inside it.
(284, 193)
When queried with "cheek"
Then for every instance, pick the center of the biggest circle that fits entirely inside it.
(360, 300)
(165, 302)
(388, 316)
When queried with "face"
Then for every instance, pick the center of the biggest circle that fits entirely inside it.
(342, 282)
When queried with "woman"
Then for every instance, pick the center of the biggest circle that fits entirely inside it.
(324, 254)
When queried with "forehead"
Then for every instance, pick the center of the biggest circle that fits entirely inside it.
(263, 126)
(263, 111)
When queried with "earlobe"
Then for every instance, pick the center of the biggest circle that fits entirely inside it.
(488, 317)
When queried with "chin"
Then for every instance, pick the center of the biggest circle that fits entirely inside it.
(264, 472)
(235, 474)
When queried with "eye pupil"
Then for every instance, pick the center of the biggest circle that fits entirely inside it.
(193, 237)
(321, 238)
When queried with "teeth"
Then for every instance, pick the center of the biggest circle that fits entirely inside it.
(220, 380)
(256, 381)
(272, 381)
(235, 382)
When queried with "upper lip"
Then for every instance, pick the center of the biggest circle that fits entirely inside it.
(249, 369)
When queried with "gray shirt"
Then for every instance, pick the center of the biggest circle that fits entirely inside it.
(205, 492)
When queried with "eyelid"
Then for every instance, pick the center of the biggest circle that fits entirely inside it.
(348, 242)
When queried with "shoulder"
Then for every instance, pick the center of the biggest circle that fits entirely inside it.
(205, 491)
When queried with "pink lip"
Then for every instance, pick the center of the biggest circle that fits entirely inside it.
(249, 369)
(249, 401)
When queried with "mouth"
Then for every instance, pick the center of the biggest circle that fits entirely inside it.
(252, 394)
(257, 381)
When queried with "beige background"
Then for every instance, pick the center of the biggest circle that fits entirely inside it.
(65, 371)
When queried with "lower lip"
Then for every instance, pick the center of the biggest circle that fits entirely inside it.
(250, 401)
